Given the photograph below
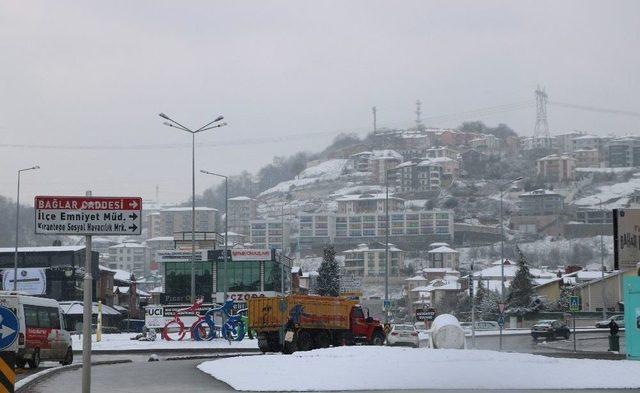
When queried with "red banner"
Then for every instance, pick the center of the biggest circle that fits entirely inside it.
(87, 203)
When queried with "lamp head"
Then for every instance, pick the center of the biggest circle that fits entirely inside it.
(163, 116)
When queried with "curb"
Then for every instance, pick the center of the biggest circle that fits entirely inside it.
(219, 356)
(583, 355)
(168, 350)
(39, 376)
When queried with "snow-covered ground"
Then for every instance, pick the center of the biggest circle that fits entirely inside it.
(123, 342)
(612, 195)
(368, 368)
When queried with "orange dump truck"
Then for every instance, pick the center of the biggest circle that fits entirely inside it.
(300, 323)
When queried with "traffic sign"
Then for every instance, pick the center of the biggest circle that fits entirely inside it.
(501, 307)
(501, 321)
(574, 303)
(8, 329)
(386, 305)
(87, 215)
(426, 315)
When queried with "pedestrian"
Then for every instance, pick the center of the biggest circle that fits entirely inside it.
(613, 328)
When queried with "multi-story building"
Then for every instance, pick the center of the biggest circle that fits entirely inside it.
(486, 143)
(316, 229)
(362, 161)
(269, 234)
(584, 142)
(368, 203)
(402, 224)
(624, 152)
(129, 256)
(557, 167)
(241, 210)
(178, 219)
(153, 245)
(594, 216)
(587, 158)
(444, 257)
(370, 260)
(563, 143)
(437, 152)
(540, 202)
(154, 224)
(417, 176)
(381, 162)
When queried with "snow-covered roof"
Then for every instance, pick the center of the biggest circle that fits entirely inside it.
(538, 192)
(43, 249)
(385, 154)
(120, 275)
(439, 270)
(161, 239)
(186, 209)
(366, 247)
(416, 278)
(76, 308)
(240, 198)
(443, 250)
(364, 197)
(128, 244)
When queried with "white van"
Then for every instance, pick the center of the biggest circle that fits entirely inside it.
(42, 335)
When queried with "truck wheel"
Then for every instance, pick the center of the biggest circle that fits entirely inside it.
(323, 340)
(20, 363)
(289, 347)
(263, 343)
(377, 338)
(304, 341)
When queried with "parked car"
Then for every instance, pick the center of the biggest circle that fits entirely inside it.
(550, 329)
(480, 326)
(619, 320)
(42, 334)
(403, 335)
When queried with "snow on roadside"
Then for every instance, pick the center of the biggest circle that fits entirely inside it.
(368, 368)
(123, 342)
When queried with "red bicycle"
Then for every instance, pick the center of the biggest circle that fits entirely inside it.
(174, 329)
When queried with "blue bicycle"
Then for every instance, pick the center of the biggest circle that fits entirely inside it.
(205, 329)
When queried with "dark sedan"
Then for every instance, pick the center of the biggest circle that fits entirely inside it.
(550, 329)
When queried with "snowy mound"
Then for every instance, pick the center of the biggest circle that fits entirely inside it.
(367, 368)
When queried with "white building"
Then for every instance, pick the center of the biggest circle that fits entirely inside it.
(369, 260)
(269, 234)
(178, 219)
(241, 210)
(444, 257)
(129, 256)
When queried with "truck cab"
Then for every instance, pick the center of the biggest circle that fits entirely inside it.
(364, 328)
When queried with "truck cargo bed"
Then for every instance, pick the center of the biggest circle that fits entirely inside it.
(308, 312)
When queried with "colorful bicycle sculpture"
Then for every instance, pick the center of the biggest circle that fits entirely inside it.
(204, 328)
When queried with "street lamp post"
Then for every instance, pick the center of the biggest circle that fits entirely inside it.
(386, 249)
(15, 254)
(502, 289)
(602, 286)
(226, 228)
(211, 125)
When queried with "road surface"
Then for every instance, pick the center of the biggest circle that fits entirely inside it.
(181, 375)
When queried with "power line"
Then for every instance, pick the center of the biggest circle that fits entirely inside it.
(595, 109)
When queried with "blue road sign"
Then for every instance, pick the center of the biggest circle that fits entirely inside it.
(386, 304)
(501, 321)
(8, 328)
(574, 303)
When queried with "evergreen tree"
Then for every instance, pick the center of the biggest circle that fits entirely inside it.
(562, 304)
(488, 307)
(329, 274)
(521, 289)
(480, 293)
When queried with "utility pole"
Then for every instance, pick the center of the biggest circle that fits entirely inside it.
(375, 127)
(473, 307)
(87, 301)
(418, 113)
(602, 267)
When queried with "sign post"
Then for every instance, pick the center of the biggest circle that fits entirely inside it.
(8, 344)
(87, 215)
(574, 306)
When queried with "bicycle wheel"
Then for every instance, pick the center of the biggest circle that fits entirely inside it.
(233, 330)
(203, 330)
(174, 331)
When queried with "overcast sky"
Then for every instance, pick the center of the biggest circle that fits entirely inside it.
(287, 76)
